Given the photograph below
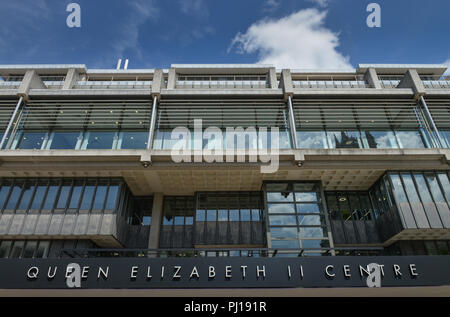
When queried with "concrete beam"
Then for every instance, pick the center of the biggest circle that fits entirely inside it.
(71, 79)
(286, 83)
(157, 214)
(273, 78)
(371, 77)
(31, 80)
(157, 83)
(172, 79)
(412, 80)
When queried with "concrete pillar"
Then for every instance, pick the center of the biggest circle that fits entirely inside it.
(157, 83)
(273, 82)
(157, 214)
(412, 80)
(31, 80)
(286, 83)
(71, 79)
(371, 78)
(172, 79)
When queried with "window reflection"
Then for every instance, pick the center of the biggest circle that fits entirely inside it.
(312, 140)
(381, 139)
(410, 139)
(63, 140)
(344, 139)
(99, 140)
(31, 140)
(133, 140)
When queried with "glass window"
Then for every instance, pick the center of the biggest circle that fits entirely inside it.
(256, 215)
(434, 187)
(309, 220)
(282, 221)
(308, 208)
(134, 140)
(4, 191)
(17, 249)
(315, 244)
(39, 195)
(14, 197)
(280, 233)
(443, 178)
(344, 139)
(281, 208)
(381, 139)
(280, 197)
(245, 215)
(399, 194)
(113, 192)
(312, 232)
(200, 215)
(88, 196)
(410, 139)
(223, 215)
(64, 195)
(51, 195)
(100, 140)
(76, 195)
(5, 248)
(64, 140)
(312, 139)
(285, 244)
(42, 249)
(26, 196)
(32, 140)
(422, 187)
(211, 215)
(305, 197)
(30, 247)
(100, 196)
(410, 188)
(234, 215)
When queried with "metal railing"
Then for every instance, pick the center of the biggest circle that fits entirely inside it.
(218, 252)
(113, 85)
(224, 84)
(330, 84)
(436, 84)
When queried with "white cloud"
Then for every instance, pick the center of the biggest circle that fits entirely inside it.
(271, 5)
(299, 40)
(320, 3)
(128, 35)
(197, 8)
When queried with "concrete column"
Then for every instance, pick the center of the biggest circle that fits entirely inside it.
(273, 82)
(172, 79)
(71, 79)
(286, 83)
(157, 214)
(31, 80)
(157, 83)
(371, 77)
(412, 80)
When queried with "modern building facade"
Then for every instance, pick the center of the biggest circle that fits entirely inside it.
(87, 162)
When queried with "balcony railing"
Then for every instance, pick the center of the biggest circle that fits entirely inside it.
(9, 84)
(330, 84)
(225, 84)
(436, 84)
(113, 85)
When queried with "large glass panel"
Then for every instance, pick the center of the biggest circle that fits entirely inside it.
(51, 196)
(281, 208)
(309, 220)
(64, 195)
(410, 139)
(14, 196)
(211, 215)
(414, 200)
(305, 197)
(112, 197)
(200, 215)
(30, 247)
(256, 215)
(42, 249)
(312, 232)
(280, 232)
(381, 139)
(76, 195)
(100, 196)
(223, 215)
(26, 196)
(312, 139)
(443, 178)
(39, 195)
(308, 208)
(344, 139)
(315, 244)
(280, 197)
(4, 191)
(100, 140)
(245, 215)
(31, 140)
(5, 248)
(282, 221)
(88, 195)
(134, 140)
(234, 215)
(285, 244)
(64, 140)
(16, 251)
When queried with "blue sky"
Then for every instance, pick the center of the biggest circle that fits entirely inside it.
(328, 34)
